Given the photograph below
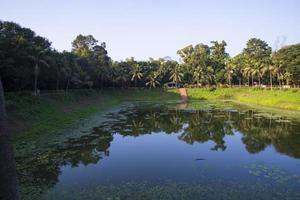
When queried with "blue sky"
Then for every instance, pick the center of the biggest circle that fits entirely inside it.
(157, 28)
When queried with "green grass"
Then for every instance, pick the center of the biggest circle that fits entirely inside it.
(281, 99)
(29, 115)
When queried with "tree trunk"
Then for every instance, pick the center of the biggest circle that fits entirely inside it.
(101, 81)
(271, 82)
(67, 87)
(36, 72)
(252, 80)
(135, 81)
(248, 81)
(279, 81)
(8, 180)
(57, 81)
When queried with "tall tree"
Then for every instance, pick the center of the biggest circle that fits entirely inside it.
(229, 71)
(101, 62)
(70, 68)
(83, 45)
(136, 73)
(39, 56)
(176, 75)
(238, 65)
(218, 57)
(152, 81)
(257, 52)
(287, 59)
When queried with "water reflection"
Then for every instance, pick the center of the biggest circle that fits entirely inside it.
(259, 130)
(40, 166)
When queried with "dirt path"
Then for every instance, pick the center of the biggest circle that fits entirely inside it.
(183, 95)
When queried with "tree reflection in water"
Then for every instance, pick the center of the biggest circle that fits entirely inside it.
(259, 130)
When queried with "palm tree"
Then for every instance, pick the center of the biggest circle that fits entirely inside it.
(247, 69)
(210, 75)
(279, 71)
(39, 58)
(136, 127)
(238, 62)
(70, 68)
(287, 76)
(122, 78)
(271, 69)
(229, 71)
(176, 75)
(259, 71)
(153, 82)
(198, 75)
(136, 73)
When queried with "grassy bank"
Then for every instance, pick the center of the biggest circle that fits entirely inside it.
(281, 99)
(29, 115)
(48, 113)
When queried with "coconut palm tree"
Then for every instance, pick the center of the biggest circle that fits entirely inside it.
(247, 73)
(198, 75)
(210, 75)
(40, 58)
(176, 75)
(70, 68)
(271, 69)
(123, 78)
(153, 82)
(258, 70)
(279, 70)
(136, 73)
(229, 71)
(287, 76)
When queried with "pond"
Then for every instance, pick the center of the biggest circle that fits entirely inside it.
(139, 151)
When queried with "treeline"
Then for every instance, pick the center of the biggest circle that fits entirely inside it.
(29, 62)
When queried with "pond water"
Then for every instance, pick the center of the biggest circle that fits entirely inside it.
(166, 151)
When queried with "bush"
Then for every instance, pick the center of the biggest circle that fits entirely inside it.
(213, 88)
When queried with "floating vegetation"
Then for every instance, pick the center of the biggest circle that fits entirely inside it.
(219, 128)
(171, 190)
(272, 173)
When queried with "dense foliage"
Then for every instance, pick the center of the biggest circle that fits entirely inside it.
(29, 62)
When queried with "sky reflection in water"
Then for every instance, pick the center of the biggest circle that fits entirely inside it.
(156, 151)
